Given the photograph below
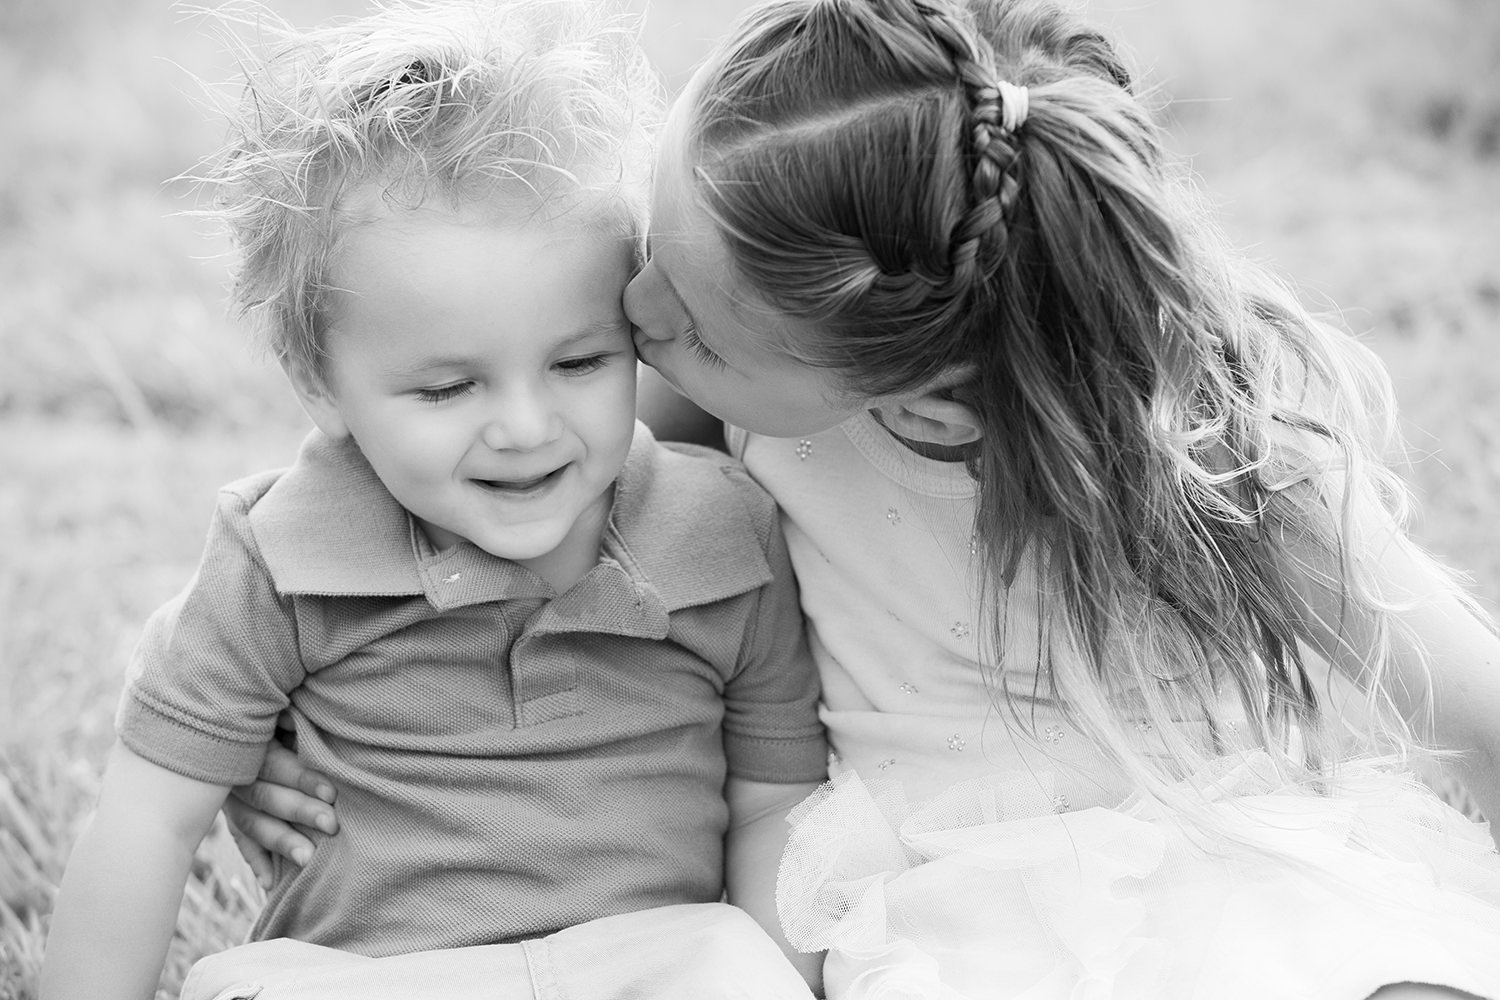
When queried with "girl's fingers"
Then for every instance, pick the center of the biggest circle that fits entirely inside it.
(256, 856)
(282, 805)
(269, 830)
(259, 835)
(283, 767)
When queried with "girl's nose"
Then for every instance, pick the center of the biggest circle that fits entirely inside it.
(646, 320)
(522, 420)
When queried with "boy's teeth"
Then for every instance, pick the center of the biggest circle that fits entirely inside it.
(516, 484)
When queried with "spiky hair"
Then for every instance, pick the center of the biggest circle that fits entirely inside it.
(420, 100)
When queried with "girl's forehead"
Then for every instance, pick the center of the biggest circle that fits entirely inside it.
(676, 211)
(672, 140)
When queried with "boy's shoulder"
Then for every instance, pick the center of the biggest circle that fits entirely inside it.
(248, 490)
(324, 473)
(694, 522)
(325, 524)
(705, 485)
(731, 469)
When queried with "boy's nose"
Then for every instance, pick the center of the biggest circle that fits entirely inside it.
(521, 422)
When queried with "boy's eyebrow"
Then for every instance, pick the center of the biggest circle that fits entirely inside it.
(601, 328)
(430, 362)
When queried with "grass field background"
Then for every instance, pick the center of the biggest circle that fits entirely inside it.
(1356, 143)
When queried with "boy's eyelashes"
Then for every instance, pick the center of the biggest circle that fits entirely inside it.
(568, 367)
(586, 364)
(443, 393)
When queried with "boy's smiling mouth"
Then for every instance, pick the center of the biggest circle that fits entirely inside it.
(519, 485)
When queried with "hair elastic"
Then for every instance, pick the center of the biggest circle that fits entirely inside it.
(1014, 103)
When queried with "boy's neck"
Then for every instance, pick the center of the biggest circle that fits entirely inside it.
(579, 551)
(571, 560)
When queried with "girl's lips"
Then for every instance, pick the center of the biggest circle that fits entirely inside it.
(645, 345)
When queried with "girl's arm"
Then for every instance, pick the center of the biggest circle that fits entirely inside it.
(1465, 665)
(123, 886)
(757, 835)
(1458, 706)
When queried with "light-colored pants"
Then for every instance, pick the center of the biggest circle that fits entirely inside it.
(702, 951)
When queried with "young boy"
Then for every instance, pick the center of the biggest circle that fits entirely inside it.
(533, 649)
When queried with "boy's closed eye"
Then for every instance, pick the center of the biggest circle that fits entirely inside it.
(443, 393)
(574, 367)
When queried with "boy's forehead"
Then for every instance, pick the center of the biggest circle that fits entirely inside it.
(499, 201)
(369, 213)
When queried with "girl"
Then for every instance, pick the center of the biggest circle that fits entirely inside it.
(1095, 543)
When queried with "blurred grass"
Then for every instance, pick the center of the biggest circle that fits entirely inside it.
(1353, 142)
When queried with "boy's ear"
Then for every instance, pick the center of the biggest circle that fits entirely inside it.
(316, 398)
(930, 415)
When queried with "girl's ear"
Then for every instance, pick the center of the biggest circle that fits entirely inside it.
(932, 416)
(316, 398)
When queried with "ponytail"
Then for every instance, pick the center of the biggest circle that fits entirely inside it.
(1118, 444)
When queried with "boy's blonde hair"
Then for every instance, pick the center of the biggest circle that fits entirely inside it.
(551, 100)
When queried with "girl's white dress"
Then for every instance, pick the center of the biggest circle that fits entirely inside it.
(956, 855)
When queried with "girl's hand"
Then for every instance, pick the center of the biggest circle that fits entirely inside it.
(281, 812)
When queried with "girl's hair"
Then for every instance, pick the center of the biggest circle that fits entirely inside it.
(551, 101)
(1166, 432)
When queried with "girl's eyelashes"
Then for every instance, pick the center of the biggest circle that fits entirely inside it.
(704, 353)
(443, 393)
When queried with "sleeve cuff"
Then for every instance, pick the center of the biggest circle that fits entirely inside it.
(777, 760)
(181, 749)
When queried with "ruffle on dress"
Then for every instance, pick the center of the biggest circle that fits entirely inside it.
(985, 892)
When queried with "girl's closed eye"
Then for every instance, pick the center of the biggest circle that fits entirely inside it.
(704, 353)
(443, 393)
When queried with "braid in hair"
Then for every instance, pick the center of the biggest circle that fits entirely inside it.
(912, 237)
(979, 240)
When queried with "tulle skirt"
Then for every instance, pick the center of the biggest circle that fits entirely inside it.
(986, 892)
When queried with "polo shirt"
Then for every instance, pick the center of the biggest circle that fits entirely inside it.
(509, 761)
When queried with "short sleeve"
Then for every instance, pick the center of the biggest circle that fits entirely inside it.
(771, 728)
(214, 665)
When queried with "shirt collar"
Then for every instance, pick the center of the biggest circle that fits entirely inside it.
(329, 526)
(678, 528)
